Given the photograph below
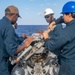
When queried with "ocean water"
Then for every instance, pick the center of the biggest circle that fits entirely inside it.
(29, 29)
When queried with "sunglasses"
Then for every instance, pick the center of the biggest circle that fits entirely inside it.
(46, 16)
(17, 15)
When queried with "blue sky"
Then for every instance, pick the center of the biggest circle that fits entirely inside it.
(31, 11)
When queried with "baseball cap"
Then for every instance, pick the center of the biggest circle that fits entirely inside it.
(12, 9)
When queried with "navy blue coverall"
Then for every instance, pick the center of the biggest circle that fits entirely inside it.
(19, 41)
(65, 41)
(54, 34)
(8, 44)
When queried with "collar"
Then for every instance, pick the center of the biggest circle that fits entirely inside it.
(6, 19)
(71, 22)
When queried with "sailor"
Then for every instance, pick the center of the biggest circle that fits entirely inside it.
(49, 16)
(19, 40)
(8, 44)
(65, 41)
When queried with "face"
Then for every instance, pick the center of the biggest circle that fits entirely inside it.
(14, 18)
(67, 18)
(48, 18)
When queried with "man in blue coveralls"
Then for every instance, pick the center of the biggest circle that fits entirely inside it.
(8, 44)
(65, 41)
(19, 41)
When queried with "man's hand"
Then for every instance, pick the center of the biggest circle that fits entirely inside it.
(28, 41)
(51, 26)
(45, 35)
(24, 35)
(40, 31)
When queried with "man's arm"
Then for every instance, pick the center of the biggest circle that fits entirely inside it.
(26, 43)
(56, 43)
(57, 21)
(12, 47)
